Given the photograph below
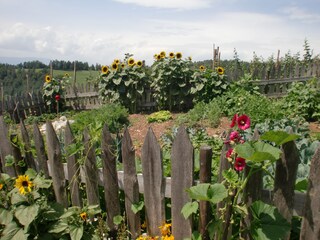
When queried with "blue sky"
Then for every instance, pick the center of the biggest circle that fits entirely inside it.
(100, 31)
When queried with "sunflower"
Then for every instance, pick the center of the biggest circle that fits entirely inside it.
(83, 215)
(139, 63)
(190, 58)
(122, 65)
(163, 54)
(171, 55)
(179, 55)
(202, 68)
(165, 229)
(117, 61)
(158, 57)
(114, 66)
(23, 184)
(220, 70)
(131, 62)
(47, 78)
(104, 69)
(1, 186)
(155, 56)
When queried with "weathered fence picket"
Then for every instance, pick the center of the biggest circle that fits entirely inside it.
(40, 151)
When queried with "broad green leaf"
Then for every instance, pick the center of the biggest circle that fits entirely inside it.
(117, 81)
(199, 192)
(13, 232)
(301, 185)
(279, 137)
(76, 231)
(244, 150)
(268, 222)
(17, 197)
(267, 148)
(31, 173)
(5, 216)
(217, 192)
(199, 86)
(230, 176)
(137, 207)
(26, 214)
(189, 208)
(117, 219)
(59, 227)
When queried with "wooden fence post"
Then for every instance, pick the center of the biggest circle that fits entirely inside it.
(73, 169)
(205, 177)
(153, 184)
(181, 179)
(27, 147)
(56, 166)
(285, 178)
(40, 150)
(5, 148)
(310, 227)
(90, 169)
(110, 178)
(130, 184)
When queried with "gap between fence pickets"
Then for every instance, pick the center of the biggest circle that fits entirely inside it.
(267, 195)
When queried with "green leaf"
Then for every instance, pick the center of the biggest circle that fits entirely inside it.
(76, 232)
(267, 148)
(16, 197)
(137, 207)
(301, 185)
(268, 222)
(230, 176)
(199, 192)
(244, 150)
(117, 81)
(217, 192)
(279, 137)
(117, 219)
(26, 214)
(13, 232)
(5, 216)
(189, 208)
(59, 227)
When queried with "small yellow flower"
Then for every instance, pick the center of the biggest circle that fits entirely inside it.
(122, 65)
(190, 58)
(104, 69)
(165, 229)
(163, 54)
(179, 55)
(202, 68)
(220, 70)
(66, 75)
(139, 63)
(1, 186)
(117, 61)
(131, 62)
(158, 57)
(23, 184)
(171, 237)
(171, 55)
(114, 66)
(83, 215)
(48, 78)
(155, 56)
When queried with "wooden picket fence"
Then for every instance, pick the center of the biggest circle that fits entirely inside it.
(152, 183)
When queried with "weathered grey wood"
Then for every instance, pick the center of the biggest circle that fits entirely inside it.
(310, 227)
(181, 179)
(40, 150)
(285, 178)
(16, 152)
(55, 163)
(27, 147)
(90, 169)
(73, 169)
(153, 184)
(205, 177)
(131, 186)
(110, 177)
(5, 148)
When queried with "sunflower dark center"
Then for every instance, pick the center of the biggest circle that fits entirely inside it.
(25, 183)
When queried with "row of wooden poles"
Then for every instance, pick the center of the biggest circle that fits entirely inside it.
(152, 182)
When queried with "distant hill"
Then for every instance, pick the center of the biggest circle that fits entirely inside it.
(17, 60)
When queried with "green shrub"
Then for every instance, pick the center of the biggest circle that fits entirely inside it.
(160, 116)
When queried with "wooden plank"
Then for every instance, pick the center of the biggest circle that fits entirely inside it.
(131, 187)
(110, 178)
(73, 169)
(310, 227)
(5, 149)
(27, 147)
(153, 184)
(40, 150)
(285, 178)
(16, 151)
(90, 169)
(205, 177)
(56, 167)
(181, 179)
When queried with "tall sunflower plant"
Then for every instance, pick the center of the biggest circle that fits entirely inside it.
(171, 77)
(123, 82)
(245, 156)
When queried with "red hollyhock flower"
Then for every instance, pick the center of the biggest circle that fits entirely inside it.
(234, 120)
(229, 153)
(234, 136)
(243, 122)
(239, 164)
(57, 97)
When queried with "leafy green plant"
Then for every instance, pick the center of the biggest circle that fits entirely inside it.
(208, 84)
(171, 76)
(123, 82)
(160, 116)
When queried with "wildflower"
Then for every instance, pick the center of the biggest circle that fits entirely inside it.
(155, 56)
(139, 63)
(202, 68)
(165, 229)
(123, 65)
(234, 120)
(190, 58)
(171, 55)
(117, 61)
(131, 62)
(234, 136)
(239, 164)
(171, 237)
(179, 55)
(243, 122)
(48, 78)
(66, 75)
(229, 153)
(57, 97)
(83, 215)
(23, 184)
(104, 69)
(220, 70)
(114, 66)
(158, 57)
(1, 186)
(163, 54)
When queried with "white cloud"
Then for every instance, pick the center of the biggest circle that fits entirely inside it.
(171, 4)
(297, 13)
